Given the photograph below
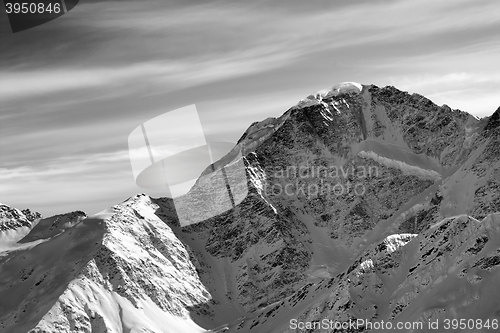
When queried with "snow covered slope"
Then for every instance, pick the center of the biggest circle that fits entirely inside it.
(120, 271)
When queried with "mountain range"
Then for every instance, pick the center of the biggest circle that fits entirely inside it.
(362, 205)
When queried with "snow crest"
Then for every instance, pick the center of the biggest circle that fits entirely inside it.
(407, 169)
(341, 88)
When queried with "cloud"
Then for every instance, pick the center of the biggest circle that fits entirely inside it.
(180, 74)
(64, 166)
(185, 46)
(451, 79)
(473, 92)
(70, 182)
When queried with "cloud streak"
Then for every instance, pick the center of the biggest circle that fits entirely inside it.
(181, 74)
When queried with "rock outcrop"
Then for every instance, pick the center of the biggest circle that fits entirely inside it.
(15, 224)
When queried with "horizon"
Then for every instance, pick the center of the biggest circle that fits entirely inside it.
(72, 90)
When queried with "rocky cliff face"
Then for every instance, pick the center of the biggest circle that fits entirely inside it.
(448, 271)
(12, 218)
(350, 212)
(15, 224)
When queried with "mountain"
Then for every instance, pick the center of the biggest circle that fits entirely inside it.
(360, 203)
(15, 224)
(449, 271)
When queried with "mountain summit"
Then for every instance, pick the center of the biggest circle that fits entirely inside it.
(364, 204)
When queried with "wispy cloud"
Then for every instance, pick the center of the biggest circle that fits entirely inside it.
(448, 81)
(176, 74)
(191, 45)
(70, 182)
(468, 91)
(72, 166)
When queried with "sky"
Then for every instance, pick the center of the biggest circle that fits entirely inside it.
(74, 89)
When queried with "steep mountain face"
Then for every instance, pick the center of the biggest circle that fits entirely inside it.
(343, 169)
(360, 203)
(448, 271)
(353, 166)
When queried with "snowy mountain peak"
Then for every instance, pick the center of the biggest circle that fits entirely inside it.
(337, 90)
(349, 86)
(15, 224)
(341, 88)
